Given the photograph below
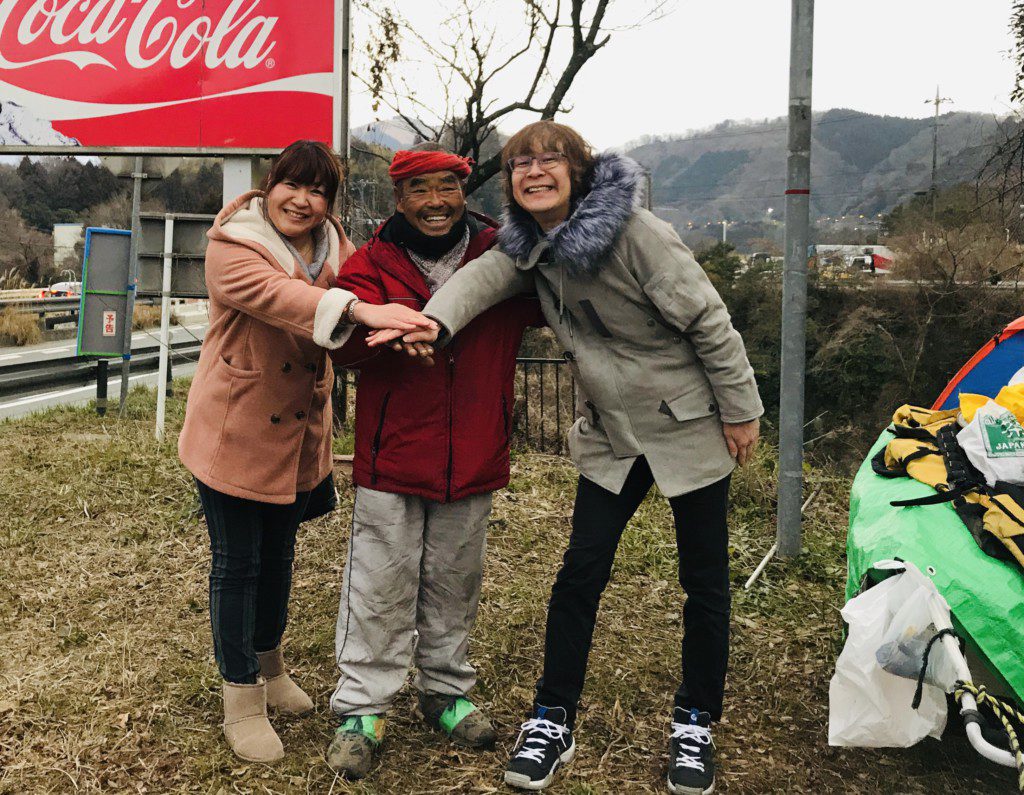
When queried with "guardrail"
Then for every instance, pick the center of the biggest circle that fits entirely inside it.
(35, 376)
(20, 294)
(43, 306)
(544, 407)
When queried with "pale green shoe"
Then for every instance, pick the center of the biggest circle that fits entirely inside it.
(458, 717)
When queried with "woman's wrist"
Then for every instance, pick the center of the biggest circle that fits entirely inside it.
(349, 314)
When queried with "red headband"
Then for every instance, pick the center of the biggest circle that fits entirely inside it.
(411, 164)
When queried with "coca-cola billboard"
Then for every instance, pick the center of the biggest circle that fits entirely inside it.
(217, 75)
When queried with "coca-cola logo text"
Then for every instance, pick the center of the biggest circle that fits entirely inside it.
(78, 30)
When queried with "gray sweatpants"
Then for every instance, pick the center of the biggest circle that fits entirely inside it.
(413, 565)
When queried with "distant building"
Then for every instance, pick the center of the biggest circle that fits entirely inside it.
(65, 238)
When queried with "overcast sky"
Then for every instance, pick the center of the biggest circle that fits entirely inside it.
(710, 60)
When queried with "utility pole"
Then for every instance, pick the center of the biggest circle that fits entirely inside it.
(794, 281)
(935, 143)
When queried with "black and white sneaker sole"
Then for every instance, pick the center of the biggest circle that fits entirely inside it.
(679, 789)
(519, 781)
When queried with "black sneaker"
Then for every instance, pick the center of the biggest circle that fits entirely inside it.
(691, 754)
(544, 744)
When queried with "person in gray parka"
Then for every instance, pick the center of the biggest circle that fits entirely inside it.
(666, 396)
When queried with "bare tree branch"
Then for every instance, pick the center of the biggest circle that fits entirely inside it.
(472, 49)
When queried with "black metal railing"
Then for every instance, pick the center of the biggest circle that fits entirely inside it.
(544, 408)
(545, 405)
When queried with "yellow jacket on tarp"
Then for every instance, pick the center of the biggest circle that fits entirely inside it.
(925, 449)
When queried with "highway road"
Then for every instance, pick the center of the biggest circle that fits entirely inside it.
(16, 406)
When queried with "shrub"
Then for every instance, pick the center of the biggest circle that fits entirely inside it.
(18, 328)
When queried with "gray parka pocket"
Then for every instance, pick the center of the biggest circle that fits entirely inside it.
(691, 405)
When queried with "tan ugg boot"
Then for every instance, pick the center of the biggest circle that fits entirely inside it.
(282, 693)
(246, 727)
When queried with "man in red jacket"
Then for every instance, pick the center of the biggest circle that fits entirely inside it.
(431, 446)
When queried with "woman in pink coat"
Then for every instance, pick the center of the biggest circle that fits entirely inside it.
(257, 432)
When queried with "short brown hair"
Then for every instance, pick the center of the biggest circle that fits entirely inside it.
(550, 136)
(306, 163)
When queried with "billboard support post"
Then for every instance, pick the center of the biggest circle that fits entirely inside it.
(342, 122)
(238, 173)
(344, 144)
(133, 280)
(165, 327)
(101, 386)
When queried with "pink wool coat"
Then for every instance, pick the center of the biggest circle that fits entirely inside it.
(258, 420)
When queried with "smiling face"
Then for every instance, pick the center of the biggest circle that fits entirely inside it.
(543, 189)
(433, 203)
(296, 210)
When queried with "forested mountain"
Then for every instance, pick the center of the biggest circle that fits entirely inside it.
(860, 163)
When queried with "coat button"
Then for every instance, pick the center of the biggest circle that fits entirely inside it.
(569, 357)
(274, 419)
(300, 415)
(650, 323)
(286, 367)
(311, 367)
(711, 407)
(677, 340)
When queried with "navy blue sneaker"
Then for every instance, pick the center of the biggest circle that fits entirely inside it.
(691, 754)
(545, 743)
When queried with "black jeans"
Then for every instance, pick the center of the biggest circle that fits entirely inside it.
(702, 540)
(252, 546)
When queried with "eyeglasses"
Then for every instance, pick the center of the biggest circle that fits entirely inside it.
(546, 160)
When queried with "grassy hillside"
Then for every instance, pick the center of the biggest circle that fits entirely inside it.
(107, 681)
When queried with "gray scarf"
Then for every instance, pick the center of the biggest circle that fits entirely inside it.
(438, 271)
(321, 247)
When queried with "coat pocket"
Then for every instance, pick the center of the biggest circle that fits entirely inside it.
(238, 372)
(595, 319)
(691, 405)
(506, 419)
(678, 302)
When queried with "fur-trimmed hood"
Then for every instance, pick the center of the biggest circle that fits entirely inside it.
(586, 236)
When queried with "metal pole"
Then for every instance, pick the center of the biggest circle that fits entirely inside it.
(102, 370)
(725, 225)
(342, 92)
(935, 149)
(165, 326)
(794, 280)
(133, 280)
(345, 144)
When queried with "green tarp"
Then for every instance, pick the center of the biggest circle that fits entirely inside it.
(986, 595)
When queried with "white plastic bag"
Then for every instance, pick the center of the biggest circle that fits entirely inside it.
(994, 442)
(869, 707)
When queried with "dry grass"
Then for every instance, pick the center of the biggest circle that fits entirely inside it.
(147, 316)
(18, 328)
(107, 682)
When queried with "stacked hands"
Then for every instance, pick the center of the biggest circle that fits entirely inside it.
(414, 335)
(405, 329)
